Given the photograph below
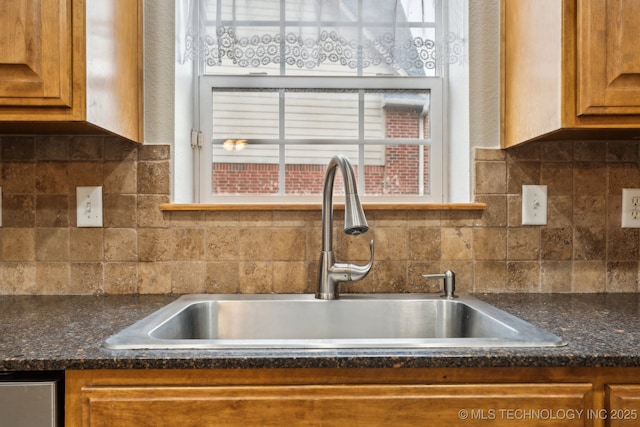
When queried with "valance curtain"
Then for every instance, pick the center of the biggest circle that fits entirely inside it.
(408, 37)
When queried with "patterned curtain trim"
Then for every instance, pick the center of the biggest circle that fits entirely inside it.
(395, 49)
(329, 47)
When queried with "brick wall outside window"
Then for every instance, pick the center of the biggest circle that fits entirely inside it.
(398, 175)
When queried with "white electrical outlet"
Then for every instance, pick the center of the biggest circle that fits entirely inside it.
(630, 208)
(89, 206)
(534, 205)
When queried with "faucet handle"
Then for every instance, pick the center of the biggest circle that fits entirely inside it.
(357, 272)
(449, 282)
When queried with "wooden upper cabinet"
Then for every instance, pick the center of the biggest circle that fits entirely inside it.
(71, 67)
(609, 57)
(570, 70)
(35, 62)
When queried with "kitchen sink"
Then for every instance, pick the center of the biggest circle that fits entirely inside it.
(278, 321)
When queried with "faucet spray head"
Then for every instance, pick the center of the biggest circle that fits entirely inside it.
(355, 222)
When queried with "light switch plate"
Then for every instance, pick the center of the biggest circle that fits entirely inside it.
(89, 206)
(534, 205)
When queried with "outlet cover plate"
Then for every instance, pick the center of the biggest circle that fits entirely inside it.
(89, 206)
(631, 208)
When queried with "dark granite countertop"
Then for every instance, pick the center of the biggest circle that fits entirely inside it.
(66, 332)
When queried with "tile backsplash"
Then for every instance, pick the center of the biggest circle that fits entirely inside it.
(141, 249)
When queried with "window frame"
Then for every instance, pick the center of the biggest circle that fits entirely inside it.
(203, 158)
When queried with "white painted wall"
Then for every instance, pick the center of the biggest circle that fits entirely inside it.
(158, 71)
(168, 97)
(484, 75)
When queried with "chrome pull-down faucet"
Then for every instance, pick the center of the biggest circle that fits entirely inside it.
(355, 223)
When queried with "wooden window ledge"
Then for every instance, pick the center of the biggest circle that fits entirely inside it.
(318, 206)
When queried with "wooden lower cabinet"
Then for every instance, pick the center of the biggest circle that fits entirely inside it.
(350, 397)
(599, 397)
(366, 405)
(623, 404)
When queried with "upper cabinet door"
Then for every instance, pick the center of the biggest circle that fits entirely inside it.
(35, 54)
(72, 67)
(608, 43)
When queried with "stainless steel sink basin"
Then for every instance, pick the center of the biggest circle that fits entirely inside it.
(354, 321)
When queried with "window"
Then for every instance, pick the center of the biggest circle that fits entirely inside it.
(283, 85)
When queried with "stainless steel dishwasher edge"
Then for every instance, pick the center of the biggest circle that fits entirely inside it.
(32, 399)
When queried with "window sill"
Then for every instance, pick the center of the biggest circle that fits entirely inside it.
(318, 206)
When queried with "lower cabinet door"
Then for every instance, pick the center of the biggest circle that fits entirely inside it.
(337, 405)
(622, 405)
